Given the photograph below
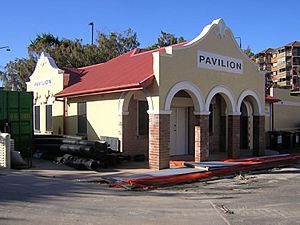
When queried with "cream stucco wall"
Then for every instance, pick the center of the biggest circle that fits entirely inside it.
(268, 117)
(71, 118)
(45, 82)
(180, 64)
(102, 116)
(287, 111)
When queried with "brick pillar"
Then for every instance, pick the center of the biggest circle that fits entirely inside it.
(259, 135)
(202, 138)
(233, 136)
(159, 141)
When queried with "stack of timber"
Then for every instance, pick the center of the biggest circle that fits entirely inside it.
(76, 152)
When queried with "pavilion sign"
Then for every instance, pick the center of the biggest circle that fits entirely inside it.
(213, 61)
(43, 83)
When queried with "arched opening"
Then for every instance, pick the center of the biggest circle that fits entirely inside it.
(221, 103)
(244, 128)
(248, 108)
(192, 90)
(37, 115)
(184, 108)
(49, 127)
(218, 128)
(182, 124)
(134, 125)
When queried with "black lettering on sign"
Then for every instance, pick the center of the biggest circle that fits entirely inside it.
(201, 58)
(207, 61)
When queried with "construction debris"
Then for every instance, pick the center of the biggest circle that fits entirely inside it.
(225, 209)
(181, 175)
(75, 152)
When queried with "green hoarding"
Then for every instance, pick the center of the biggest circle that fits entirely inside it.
(16, 118)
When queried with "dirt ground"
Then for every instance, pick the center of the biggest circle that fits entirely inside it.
(261, 197)
(54, 194)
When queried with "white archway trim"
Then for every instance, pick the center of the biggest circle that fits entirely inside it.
(50, 100)
(149, 100)
(124, 101)
(192, 90)
(159, 112)
(228, 96)
(37, 102)
(203, 113)
(258, 104)
(234, 114)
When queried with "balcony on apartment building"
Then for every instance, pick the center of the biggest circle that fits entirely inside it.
(288, 74)
(288, 53)
(260, 60)
(273, 60)
(296, 61)
(296, 52)
(274, 68)
(265, 67)
(281, 65)
(284, 82)
(263, 60)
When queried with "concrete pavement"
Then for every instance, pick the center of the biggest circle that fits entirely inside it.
(64, 196)
(32, 199)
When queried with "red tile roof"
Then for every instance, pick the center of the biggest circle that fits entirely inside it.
(130, 71)
(72, 76)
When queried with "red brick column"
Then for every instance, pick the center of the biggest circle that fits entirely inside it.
(233, 136)
(159, 141)
(132, 144)
(259, 135)
(202, 138)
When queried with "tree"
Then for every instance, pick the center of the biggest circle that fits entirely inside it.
(16, 73)
(249, 53)
(43, 42)
(166, 39)
(67, 53)
(115, 44)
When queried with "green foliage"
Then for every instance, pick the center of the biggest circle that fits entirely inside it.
(166, 39)
(74, 54)
(66, 53)
(43, 42)
(115, 44)
(249, 53)
(16, 74)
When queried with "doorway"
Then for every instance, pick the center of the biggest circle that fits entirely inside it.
(179, 131)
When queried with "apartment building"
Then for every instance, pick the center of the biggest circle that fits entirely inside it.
(283, 63)
(286, 65)
(263, 59)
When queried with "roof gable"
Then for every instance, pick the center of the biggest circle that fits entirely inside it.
(218, 39)
(127, 71)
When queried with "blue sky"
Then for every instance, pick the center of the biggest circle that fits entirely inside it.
(257, 22)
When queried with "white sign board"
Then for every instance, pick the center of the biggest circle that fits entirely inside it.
(42, 83)
(214, 61)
